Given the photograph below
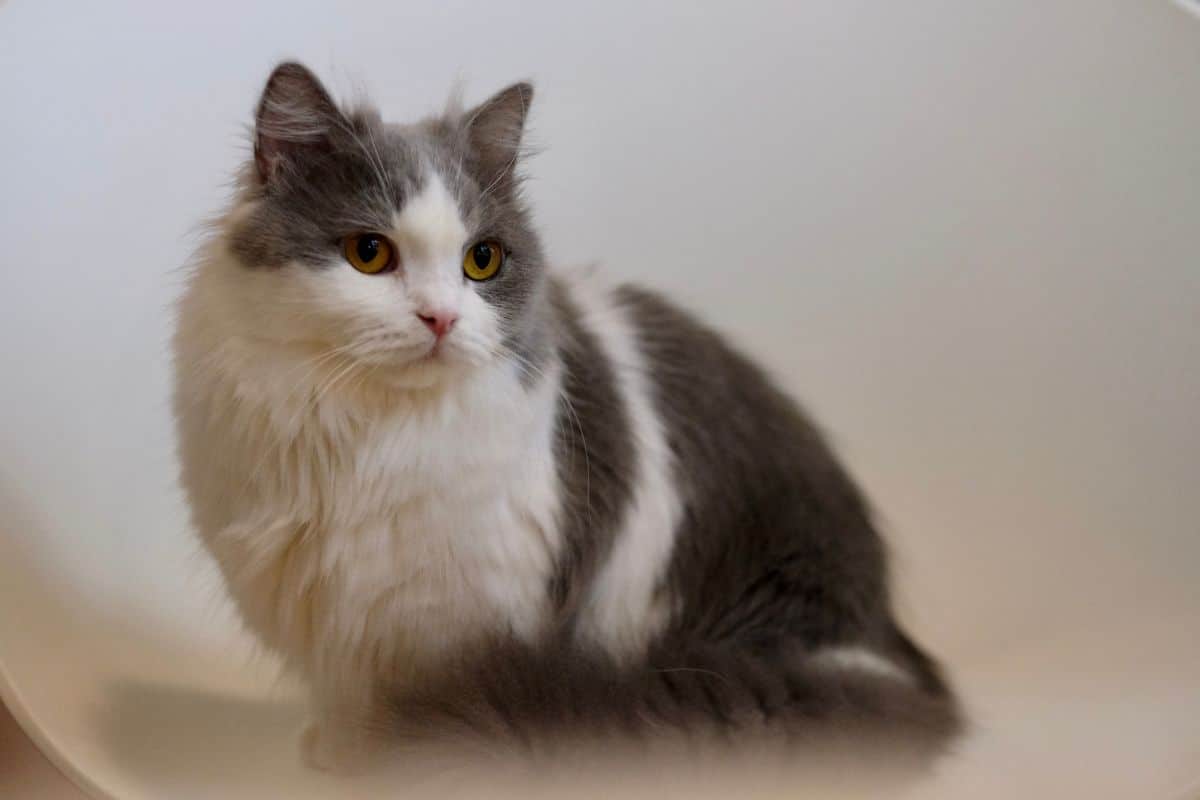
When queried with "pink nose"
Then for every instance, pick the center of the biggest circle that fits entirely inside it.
(440, 322)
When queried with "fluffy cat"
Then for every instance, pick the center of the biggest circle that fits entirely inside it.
(462, 494)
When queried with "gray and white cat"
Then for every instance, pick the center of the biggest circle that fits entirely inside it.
(459, 492)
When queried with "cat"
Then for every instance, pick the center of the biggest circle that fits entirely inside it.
(464, 495)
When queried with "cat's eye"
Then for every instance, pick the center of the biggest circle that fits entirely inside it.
(483, 260)
(369, 252)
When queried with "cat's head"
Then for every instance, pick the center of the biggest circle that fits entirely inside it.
(404, 249)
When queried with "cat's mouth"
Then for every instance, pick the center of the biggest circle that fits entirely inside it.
(435, 353)
(417, 364)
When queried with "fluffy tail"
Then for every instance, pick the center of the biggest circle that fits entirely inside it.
(540, 700)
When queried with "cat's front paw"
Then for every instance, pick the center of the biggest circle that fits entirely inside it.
(329, 750)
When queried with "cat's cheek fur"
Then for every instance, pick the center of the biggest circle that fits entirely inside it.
(375, 319)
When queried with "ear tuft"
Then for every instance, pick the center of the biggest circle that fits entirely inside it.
(494, 131)
(296, 117)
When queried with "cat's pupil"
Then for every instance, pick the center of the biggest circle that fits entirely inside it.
(482, 255)
(367, 248)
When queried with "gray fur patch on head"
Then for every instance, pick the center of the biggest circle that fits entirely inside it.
(322, 173)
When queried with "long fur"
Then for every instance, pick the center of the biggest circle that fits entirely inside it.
(551, 701)
(577, 515)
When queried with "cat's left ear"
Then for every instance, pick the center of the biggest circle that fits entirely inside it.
(296, 119)
(494, 130)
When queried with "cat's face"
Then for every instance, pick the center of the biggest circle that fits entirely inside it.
(402, 249)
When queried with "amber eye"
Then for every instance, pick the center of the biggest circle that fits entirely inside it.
(368, 252)
(483, 260)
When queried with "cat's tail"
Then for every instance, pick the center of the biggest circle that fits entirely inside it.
(543, 700)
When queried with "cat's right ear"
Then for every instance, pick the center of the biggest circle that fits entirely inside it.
(296, 118)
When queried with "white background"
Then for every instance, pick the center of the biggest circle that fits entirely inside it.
(964, 234)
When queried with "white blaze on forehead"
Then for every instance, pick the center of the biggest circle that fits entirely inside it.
(429, 229)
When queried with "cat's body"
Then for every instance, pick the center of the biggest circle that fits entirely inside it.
(519, 497)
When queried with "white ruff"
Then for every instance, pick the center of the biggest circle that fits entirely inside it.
(363, 531)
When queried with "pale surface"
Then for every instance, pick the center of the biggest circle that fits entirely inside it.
(25, 772)
(964, 233)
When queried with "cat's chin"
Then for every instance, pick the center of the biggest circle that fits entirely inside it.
(423, 374)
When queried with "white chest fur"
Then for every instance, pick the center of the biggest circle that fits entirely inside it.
(367, 542)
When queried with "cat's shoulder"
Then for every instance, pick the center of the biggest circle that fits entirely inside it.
(590, 293)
